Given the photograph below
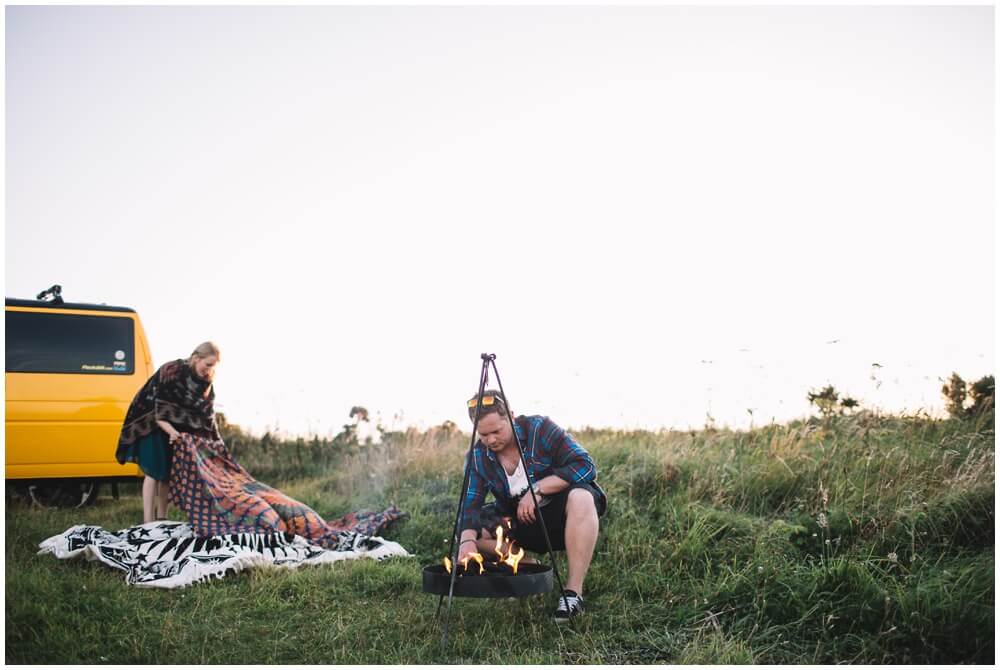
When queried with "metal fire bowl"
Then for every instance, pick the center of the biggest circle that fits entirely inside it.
(530, 579)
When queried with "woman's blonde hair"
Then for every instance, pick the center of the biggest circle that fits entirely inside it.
(204, 350)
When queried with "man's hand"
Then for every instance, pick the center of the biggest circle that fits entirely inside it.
(526, 509)
(467, 549)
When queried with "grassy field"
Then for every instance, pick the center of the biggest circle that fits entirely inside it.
(860, 539)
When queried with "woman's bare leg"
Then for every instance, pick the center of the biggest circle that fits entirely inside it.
(149, 486)
(162, 499)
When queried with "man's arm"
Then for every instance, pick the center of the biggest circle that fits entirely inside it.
(472, 501)
(467, 544)
(549, 486)
(570, 461)
(546, 486)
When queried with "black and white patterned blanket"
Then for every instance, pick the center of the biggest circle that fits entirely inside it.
(167, 554)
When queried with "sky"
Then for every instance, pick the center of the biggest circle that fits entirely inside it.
(654, 216)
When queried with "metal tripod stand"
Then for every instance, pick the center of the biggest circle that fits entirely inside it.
(484, 373)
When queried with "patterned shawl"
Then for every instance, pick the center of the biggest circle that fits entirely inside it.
(174, 394)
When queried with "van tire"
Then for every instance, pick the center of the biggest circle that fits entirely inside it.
(71, 493)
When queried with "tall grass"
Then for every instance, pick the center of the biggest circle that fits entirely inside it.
(862, 539)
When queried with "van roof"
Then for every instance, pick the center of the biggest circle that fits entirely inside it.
(45, 304)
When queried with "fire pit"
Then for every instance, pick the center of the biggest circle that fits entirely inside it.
(531, 579)
(501, 576)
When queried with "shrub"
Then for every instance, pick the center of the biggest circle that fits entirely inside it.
(981, 394)
(829, 402)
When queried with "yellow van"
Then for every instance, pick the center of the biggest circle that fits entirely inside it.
(71, 371)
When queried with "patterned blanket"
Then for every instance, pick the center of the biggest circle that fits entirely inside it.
(168, 554)
(220, 497)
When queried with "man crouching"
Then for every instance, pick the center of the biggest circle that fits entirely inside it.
(562, 475)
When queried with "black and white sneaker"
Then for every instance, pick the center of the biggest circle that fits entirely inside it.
(569, 606)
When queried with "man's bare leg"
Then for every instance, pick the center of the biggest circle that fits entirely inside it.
(581, 536)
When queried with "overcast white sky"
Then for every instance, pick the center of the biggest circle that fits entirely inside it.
(649, 214)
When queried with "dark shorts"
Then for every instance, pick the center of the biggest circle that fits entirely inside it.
(532, 537)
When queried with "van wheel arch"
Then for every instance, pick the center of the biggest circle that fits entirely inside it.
(61, 493)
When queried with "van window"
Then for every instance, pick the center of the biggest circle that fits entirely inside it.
(70, 343)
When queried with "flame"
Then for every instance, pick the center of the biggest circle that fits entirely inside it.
(504, 555)
(478, 558)
(510, 557)
(514, 558)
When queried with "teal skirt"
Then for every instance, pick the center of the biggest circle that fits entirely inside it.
(154, 455)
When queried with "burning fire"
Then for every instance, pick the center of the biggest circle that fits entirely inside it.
(505, 555)
(477, 557)
(509, 557)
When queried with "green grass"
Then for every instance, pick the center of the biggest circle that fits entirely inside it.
(861, 539)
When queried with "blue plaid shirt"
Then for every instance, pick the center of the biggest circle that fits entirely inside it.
(548, 450)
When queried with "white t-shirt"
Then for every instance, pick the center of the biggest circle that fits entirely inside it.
(517, 482)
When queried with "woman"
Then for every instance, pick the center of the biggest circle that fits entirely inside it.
(218, 496)
(177, 399)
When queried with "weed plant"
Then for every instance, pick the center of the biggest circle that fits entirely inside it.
(852, 539)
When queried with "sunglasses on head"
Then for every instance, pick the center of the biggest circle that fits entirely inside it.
(488, 400)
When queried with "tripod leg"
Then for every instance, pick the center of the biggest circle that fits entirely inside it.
(534, 498)
(453, 547)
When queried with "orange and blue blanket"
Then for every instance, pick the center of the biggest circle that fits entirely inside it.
(220, 497)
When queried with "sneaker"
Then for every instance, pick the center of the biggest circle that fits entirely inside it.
(569, 606)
